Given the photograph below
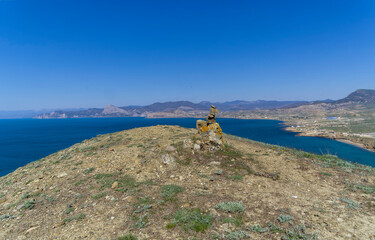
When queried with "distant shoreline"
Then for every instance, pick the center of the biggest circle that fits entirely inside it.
(343, 140)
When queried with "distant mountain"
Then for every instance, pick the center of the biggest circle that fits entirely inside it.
(189, 109)
(240, 105)
(172, 106)
(360, 96)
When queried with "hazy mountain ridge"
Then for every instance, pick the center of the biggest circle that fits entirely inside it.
(177, 108)
(189, 109)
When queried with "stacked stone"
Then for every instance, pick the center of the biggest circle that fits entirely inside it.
(210, 132)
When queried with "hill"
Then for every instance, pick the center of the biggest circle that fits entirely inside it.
(150, 183)
(359, 96)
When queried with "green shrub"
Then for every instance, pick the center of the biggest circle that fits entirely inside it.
(192, 219)
(284, 218)
(299, 232)
(350, 203)
(230, 207)
(142, 222)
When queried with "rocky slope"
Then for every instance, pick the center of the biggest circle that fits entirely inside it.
(150, 183)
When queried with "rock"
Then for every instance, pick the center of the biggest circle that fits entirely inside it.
(62, 175)
(188, 143)
(168, 159)
(219, 172)
(114, 185)
(214, 163)
(197, 147)
(170, 148)
(111, 198)
(212, 137)
(20, 206)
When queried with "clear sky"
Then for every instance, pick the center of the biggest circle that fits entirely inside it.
(75, 53)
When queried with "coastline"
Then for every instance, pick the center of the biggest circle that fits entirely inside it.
(341, 139)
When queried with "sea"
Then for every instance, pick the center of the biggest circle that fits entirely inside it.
(26, 140)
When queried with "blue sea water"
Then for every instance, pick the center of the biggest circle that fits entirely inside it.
(26, 140)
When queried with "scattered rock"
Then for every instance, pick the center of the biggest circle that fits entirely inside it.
(114, 185)
(168, 159)
(219, 172)
(32, 228)
(187, 143)
(111, 198)
(197, 147)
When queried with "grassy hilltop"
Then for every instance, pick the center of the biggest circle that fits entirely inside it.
(147, 183)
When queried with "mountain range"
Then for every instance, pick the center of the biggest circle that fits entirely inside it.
(189, 109)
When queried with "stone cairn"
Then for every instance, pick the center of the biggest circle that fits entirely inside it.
(210, 132)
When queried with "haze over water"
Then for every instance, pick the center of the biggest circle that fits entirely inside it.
(26, 140)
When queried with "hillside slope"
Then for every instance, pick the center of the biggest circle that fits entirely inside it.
(148, 183)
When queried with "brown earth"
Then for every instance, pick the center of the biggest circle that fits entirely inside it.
(114, 185)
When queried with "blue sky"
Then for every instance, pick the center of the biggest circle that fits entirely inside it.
(57, 54)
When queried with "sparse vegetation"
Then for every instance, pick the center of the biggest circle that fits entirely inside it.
(258, 229)
(142, 222)
(237, 177)
(350, 203)
(235, 221)
(88, 170)
(127, 237)
(69, 208)
(191, 219)
(28, 205)
(236, 235)
(106, 180)
(78, 217)
(230, 207)
(284, 218)
(169, 192)
(99, 195)
(369, 189)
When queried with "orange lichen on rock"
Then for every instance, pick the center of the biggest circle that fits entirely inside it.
(212, 135)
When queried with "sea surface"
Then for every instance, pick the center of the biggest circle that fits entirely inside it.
(26, 140)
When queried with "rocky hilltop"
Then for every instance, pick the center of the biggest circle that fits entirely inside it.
(154, 183)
